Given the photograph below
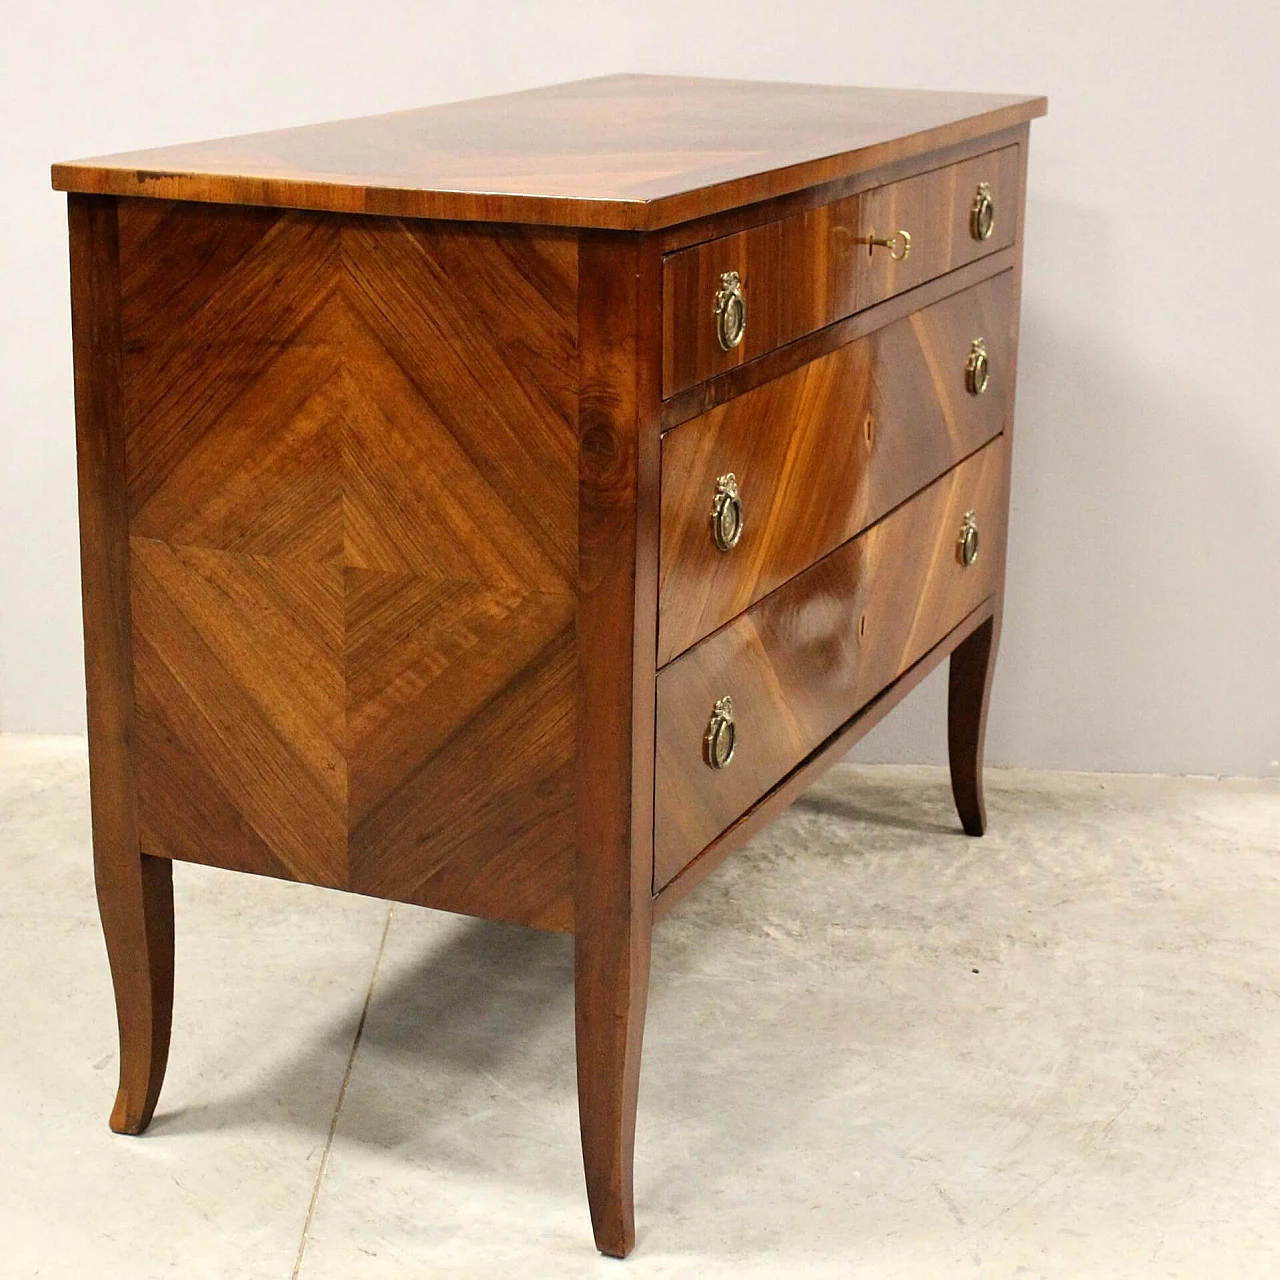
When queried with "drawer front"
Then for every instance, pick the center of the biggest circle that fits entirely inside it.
(800, 663)
(800, 273)
(817, 455)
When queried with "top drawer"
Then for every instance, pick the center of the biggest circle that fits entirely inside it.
(787, 278)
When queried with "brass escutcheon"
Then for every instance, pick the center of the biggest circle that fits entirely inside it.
(731, 311)
(977, 369)
(967, 542)
(726, 513)
(898, 244)
(982, 214)
(721, 734)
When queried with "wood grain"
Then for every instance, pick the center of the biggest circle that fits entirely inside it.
(824, 451)
(617, 580)
(352, 478)
(833, 750)
(744, 217)
(704, 396)
(626, 152)
(806, 271)
(804, 659)
(135, 893)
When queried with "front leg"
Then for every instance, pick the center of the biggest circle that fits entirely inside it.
(611, 984)
(619, 286)
(969, 695)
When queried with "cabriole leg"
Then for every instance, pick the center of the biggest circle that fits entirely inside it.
(135, 900)
(969, 694)
(611, 987)
(135, 892)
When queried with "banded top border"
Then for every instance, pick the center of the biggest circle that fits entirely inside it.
(622, 152)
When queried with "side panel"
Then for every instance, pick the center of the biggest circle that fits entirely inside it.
(352, 488)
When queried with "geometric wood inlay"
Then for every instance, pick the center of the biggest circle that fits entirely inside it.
(351, 455)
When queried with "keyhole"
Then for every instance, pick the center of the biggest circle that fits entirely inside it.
(868, 429)
(862, 627)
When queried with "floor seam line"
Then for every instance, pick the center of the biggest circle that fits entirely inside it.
(342, 1097)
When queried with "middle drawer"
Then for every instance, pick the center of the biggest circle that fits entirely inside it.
(760, 487)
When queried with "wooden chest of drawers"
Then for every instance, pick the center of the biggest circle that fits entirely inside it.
(508, 507)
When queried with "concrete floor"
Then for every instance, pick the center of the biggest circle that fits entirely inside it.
(874, 1048)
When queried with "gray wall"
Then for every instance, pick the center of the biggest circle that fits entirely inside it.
(1144, 586)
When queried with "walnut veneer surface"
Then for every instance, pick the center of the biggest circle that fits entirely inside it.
(626, 151)
(506, 507)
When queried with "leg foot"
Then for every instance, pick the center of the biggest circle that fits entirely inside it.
(135, 900)
(969, 693)
(611, 985)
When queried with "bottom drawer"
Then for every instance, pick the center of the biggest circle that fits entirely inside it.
(802, 661)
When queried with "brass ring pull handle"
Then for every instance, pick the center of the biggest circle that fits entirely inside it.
(898, 244)
(982, 213)
(721, 735)
(731, 311)
(726, 513)
(977, 368)
(967, 543)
